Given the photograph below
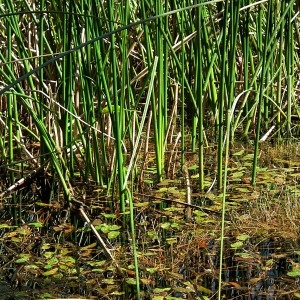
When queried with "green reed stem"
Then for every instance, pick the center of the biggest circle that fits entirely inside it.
(116, 115)
(280, 67)
(261, 95)
(290, 50)
(41, 72)
(182, 113)
(224, 190)
(10, 105)
(221, 98)
(199, 93)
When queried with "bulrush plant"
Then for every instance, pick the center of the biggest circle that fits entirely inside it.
(91, 83)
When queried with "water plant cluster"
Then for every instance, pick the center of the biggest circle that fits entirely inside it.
(135, 148)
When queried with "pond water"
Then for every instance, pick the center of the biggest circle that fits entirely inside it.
(48, 249)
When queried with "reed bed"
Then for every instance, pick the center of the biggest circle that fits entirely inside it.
(88, 89)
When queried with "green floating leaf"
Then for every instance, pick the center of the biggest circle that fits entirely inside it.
(199, 220)
(113, 234)
(98, 270)
(141, 204)
(165, 225)
(237, 174)
(36, 224)
(5, 226)
(105, 228)
(151, 270)
(46, 295)
(269, 262)
(117, 293)
(41, 204)
(72, 271)
(23, 258)
(45, 246)
(244, 255)
(131, 267)
(148, 181)
(195, 176)
(161, 290)
(90, 246)
(31, 267)
(131, 281)
(243, 237)
(200, 213)
(149, 253)
(175, 225)
(294, 273)
(50, 272)
(242, 190)
(194, 167)
(171, 241)
(152, 234)
(248, 157)
(297, 295)
(109, 281)
(24, 230)
(239, 153)
(96, 263)
(68, 259)
(172, 209)
(48, 254)
(51, 262)
(108, 216)
(236, 245)
(204, 290)
(115, 227)
(15, 239)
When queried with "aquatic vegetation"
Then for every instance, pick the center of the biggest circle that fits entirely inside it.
(149, 150)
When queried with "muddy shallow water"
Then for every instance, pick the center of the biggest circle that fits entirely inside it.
(49, 250)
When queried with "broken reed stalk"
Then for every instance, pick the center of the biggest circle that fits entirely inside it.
(21, 182)
(99, 238)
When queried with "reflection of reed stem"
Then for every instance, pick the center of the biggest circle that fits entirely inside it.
(188, 210)
(21, 182)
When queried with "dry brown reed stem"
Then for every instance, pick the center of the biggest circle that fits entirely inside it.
(100, 240)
